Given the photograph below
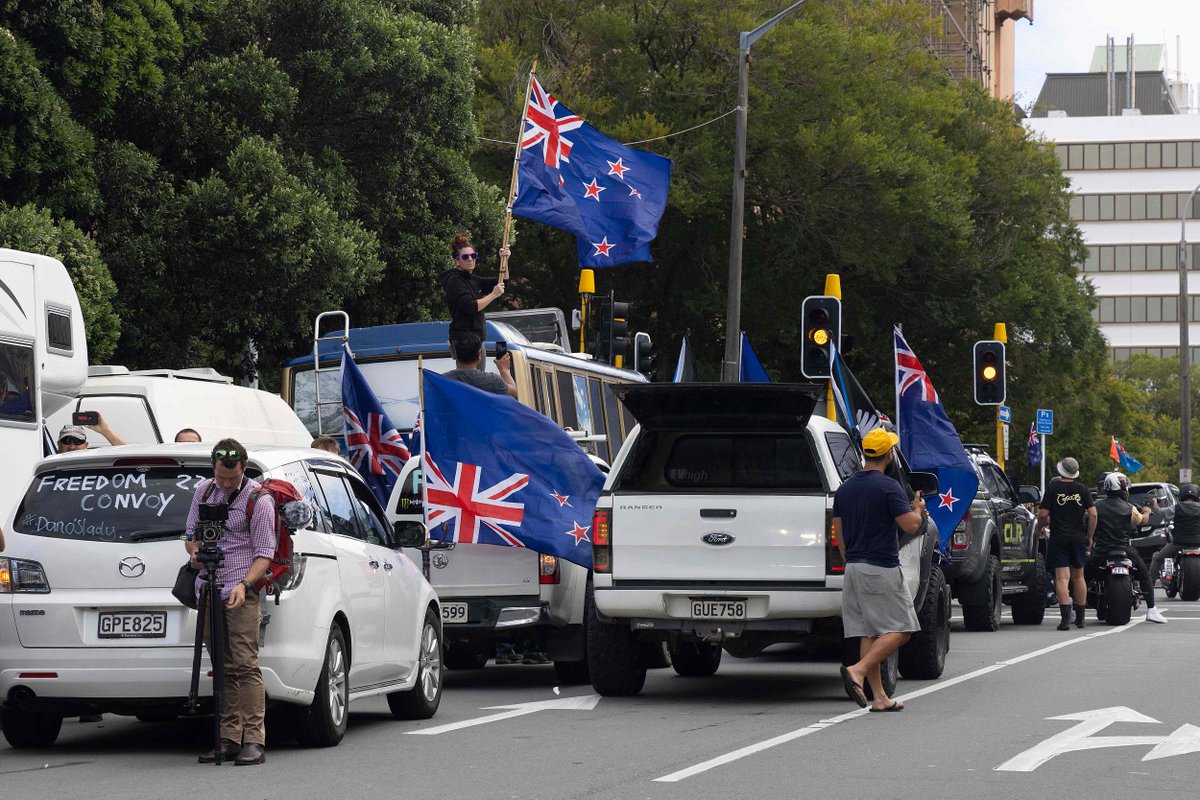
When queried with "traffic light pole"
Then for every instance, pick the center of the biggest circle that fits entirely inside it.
(1000, 334)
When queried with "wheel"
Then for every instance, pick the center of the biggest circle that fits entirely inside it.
(612, 653)
(696, 659)
(421, 701)
(1188, 578)
(986, 616)
(924, 656)
(1029, 608)
(323, 724)
(889, 670)
(572, 673)
(462, 656)
(27, 729)
(1118, 595)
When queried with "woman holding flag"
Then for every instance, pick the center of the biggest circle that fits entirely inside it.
(467, 295)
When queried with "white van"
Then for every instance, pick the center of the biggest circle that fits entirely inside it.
(151, 406)
(43, 359)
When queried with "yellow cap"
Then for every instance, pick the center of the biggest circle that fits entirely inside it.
(878, 442)
(587, 281)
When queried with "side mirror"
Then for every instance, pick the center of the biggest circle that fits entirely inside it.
(924, 483)
(1029, 494)
(409, 534)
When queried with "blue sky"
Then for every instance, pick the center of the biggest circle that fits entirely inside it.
(1064, 32)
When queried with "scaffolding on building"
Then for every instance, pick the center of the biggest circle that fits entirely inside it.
(965, 43)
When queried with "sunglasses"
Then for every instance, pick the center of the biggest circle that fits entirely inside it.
(228, 455)
(71, 441)
(467, 256)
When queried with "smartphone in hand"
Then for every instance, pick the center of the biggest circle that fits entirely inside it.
(85, 418)
(501, 350)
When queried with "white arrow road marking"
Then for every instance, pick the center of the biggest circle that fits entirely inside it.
(1079, 737)
(1185, 739)
(750, 750)
(584, 702)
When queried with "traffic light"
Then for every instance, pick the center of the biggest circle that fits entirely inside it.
(989, 372)
(645, 355)
(614, 330)
(821, 316)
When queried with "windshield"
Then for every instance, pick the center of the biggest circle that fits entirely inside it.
(109, 504)
(1140, 495)
(394, 383)
(728, 461)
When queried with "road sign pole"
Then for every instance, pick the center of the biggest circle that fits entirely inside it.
(1042, 440)
(999, 439)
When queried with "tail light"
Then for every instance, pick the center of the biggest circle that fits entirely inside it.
(834, 563)
(19, 575)
(548, 569)
(601, 541)
(959, 540)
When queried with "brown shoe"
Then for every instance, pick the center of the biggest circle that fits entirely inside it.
(229, 751)
(252, 753)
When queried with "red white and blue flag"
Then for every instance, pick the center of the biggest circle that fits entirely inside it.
(373, 445)
(931, 444)
(575, 178)
(1034, 450)
(498, 472)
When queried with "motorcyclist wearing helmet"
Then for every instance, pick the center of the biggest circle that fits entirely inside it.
(1116, 520)
(1187, 527)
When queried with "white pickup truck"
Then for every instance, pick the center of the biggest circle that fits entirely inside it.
(713, 533)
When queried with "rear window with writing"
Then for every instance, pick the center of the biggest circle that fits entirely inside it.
(109, 504)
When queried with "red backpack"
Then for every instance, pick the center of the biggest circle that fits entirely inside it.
(281, 564)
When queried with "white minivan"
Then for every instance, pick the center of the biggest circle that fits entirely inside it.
(88, 623)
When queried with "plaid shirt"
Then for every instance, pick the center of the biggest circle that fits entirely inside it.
(242, 543)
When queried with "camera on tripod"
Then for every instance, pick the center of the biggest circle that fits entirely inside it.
(210, 526)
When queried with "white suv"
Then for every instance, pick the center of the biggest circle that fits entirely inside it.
(91, 626)
(713, 533)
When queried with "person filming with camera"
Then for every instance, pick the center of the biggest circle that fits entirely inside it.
(247, 545)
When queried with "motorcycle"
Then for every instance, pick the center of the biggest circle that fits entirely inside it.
(1112, 590)
(1181, 576)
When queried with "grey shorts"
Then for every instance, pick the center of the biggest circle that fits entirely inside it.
(875, 601)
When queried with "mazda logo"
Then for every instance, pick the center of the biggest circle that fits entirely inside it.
(132, 567)
(717, 538)
(440, 560)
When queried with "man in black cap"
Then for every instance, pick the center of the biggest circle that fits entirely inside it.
(1067, 509)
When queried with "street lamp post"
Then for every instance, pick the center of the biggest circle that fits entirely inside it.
(733, 315)
(1185, 354)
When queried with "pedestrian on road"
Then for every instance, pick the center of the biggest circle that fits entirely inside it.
(1117, 519)
(467, 294)
(1068, 509)
(869, 511)
(1186, 534)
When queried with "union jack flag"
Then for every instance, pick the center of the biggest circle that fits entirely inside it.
(910, 373)
(373, 447)
(474, 513)
(544, 126)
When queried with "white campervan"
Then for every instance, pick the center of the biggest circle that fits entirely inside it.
(43, 359)
(151, 406)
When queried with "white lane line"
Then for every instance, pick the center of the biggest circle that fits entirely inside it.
(807, 730)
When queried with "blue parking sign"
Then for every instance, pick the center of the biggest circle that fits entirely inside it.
(1005, 414)
(1045, 421)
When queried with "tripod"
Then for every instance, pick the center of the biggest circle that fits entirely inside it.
(210, 605)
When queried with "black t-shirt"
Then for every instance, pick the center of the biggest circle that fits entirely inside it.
(868, 504)
(462, 290)
(487, 381)
(1068, 502)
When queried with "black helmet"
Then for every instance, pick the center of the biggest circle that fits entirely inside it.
(1189, 491)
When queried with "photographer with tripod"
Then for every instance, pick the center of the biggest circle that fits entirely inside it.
(237, 552)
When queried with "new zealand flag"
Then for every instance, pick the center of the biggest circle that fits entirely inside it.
(373, 445)
(575, 178)
(930, 442)
(497, 472)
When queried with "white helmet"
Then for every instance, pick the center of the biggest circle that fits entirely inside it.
(1116, 483)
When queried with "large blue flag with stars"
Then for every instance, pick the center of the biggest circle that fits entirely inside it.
(497, 472)
(931, 444)
(573, 177)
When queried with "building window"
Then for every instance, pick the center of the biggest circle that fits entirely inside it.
(1075, 157)
(1137, 155)
(1106, 156)
(1153, 155)
(1168, 155)
(1122, 154)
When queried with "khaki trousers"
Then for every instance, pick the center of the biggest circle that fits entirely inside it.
(243, 720)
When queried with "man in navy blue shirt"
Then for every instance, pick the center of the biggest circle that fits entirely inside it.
(869, 511)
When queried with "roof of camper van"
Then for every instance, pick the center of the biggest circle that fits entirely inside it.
(408, 338)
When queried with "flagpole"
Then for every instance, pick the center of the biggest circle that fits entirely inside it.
(512, 184)
(424, 496)
(895, 376)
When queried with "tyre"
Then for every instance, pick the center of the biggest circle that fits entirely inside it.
(612, 653)
(323, 724)
(924, 656)
(986, 616)
(27, 729)
(696, 659)
(889, 671)
(1188, 578)
(572, 673)
(1029, 608)
(421, 701)
(462, 656)
(1118, 596)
